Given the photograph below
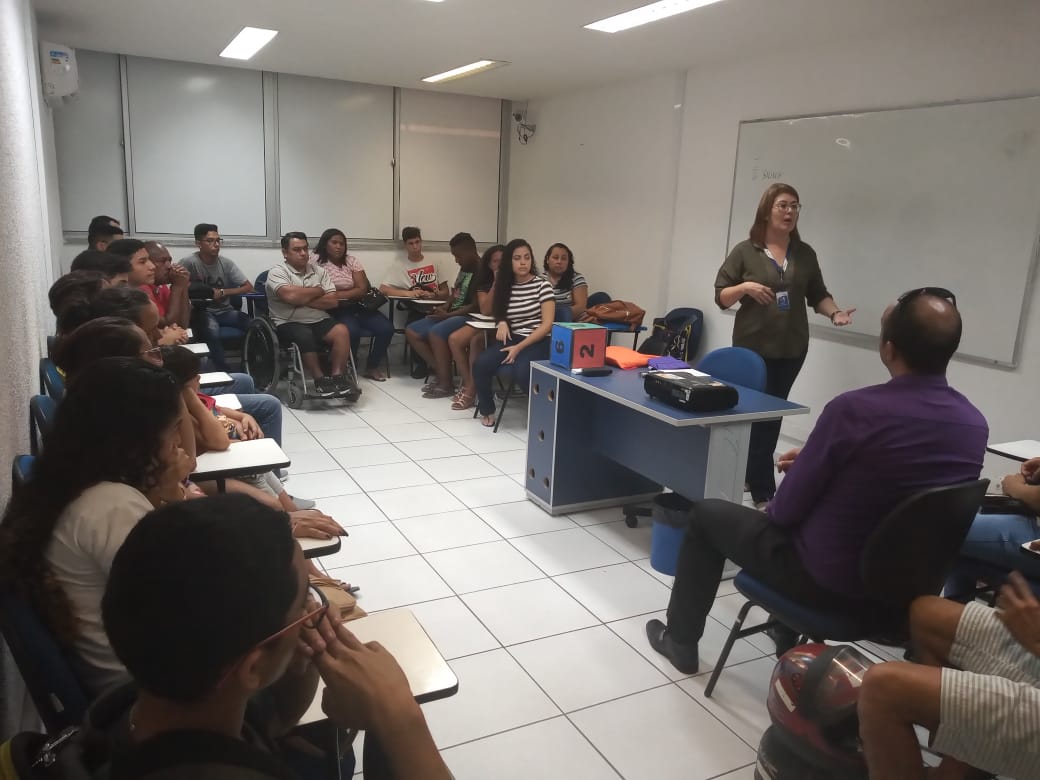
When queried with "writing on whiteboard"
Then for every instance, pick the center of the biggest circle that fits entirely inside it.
(765, 174)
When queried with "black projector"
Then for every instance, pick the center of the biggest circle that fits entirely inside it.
(692, 393)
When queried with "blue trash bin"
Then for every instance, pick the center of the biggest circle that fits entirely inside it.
(671, 516)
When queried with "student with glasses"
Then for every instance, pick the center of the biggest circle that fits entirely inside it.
(209, 267)
(774, 275)
(227, 660)
(870, 449)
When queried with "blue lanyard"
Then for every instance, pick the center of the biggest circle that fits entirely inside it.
(779, 268)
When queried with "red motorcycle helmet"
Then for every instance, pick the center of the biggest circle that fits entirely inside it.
(812, 704)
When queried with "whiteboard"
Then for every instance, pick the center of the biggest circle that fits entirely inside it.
(946, 196)
(88, 140)
(197, 147)
(335, 157)
(449, 158)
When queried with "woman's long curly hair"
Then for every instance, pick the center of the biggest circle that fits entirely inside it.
(108, 428)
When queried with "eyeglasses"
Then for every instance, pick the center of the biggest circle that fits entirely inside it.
(212, 241)
(938, 292)
(309, 620)
(785, 206)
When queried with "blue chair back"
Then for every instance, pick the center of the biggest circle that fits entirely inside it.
(57, 692)
(260, 286)
(737, 365)
(21, 469)
(53, 382)
(596, 298)
(42, 409)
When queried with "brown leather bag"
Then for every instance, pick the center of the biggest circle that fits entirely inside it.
(623, 312)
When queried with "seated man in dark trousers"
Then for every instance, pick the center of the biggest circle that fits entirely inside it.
(870, 449)
(207, 605)
(299, 297)
(983, 712)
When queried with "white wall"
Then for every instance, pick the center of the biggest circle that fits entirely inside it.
(599, 175)
(987, 56)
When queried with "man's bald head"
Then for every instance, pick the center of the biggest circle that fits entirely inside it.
(161, 259)
(924, 330)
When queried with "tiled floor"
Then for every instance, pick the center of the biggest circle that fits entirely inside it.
(540, 617)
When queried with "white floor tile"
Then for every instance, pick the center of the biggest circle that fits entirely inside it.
(528, 610)
(458, 468)
(357, 509)
(633, 543)
(350, 437)
(413, 501)
(367, 543)
(595, 516)
(313, 460)
(657, 735)
(561, 552)
(398, 582)
(484, 441)
(335, 419)
(744, 773)
(436, 409)
(725, 611)
(633, 631)
(460, 427)
(295, 443)
(453, 628)
(644, 564)
(582, 668)
(445, 530)
(495, 694)
(379, 418)
(522, 518)
(368, 455)
(426, 449)
(290, 425)
(322, 484)
(550, 750)
(415, 431)
(390, 476)
(616, 592)
(487, 491)
(512, 462)
(739, 698)
(482, 566)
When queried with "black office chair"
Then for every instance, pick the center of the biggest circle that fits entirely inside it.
(908, 555)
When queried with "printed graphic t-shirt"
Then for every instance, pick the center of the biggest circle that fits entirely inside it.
(407, 275)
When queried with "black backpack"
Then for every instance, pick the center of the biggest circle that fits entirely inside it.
(678, 334)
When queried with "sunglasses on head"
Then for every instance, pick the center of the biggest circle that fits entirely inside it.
(938, 292)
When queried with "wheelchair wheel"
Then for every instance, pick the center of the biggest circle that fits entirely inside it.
(260, 355)
(296, 393)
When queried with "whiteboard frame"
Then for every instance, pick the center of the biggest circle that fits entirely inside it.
(835, 334)
(273, 238)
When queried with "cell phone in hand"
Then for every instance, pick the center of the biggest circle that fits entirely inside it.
(1032, 548)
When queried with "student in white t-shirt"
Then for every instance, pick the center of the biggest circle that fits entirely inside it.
(413, 276)
(112, 456)
(524, 307)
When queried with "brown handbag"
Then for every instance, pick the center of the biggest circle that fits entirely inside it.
(621, 312)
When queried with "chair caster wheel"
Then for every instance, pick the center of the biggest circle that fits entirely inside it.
(631, 521)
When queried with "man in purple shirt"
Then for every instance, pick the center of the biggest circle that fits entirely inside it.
(870, 449)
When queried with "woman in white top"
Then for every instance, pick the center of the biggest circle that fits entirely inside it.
(523, 307)
(569, 287)
(352, 283)
(112, 456)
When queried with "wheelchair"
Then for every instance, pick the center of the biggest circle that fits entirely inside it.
(268, 359)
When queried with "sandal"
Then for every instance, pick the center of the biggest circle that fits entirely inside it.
(488, 420)
(463, 401)
(375, 375)
(436, 391)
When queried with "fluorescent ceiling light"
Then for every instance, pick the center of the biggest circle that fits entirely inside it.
(466, 70)
(647, 14)
(247, 43)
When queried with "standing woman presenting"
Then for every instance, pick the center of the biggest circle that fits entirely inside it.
(775, 276)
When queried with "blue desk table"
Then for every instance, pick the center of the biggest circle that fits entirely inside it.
(602, 441)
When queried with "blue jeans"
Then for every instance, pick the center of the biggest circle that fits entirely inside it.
(210, 331)
(489, 361)
(263, 406)
(997, 540)
(374, 323)
(428, 326)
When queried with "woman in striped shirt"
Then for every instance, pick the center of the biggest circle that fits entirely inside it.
(569, 287)
(523, 306)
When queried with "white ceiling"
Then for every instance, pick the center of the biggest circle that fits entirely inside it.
(397, 42)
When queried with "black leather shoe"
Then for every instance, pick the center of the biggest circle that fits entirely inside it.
(783, 637)
(683, 657)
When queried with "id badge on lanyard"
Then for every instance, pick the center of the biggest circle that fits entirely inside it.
(783, 297)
